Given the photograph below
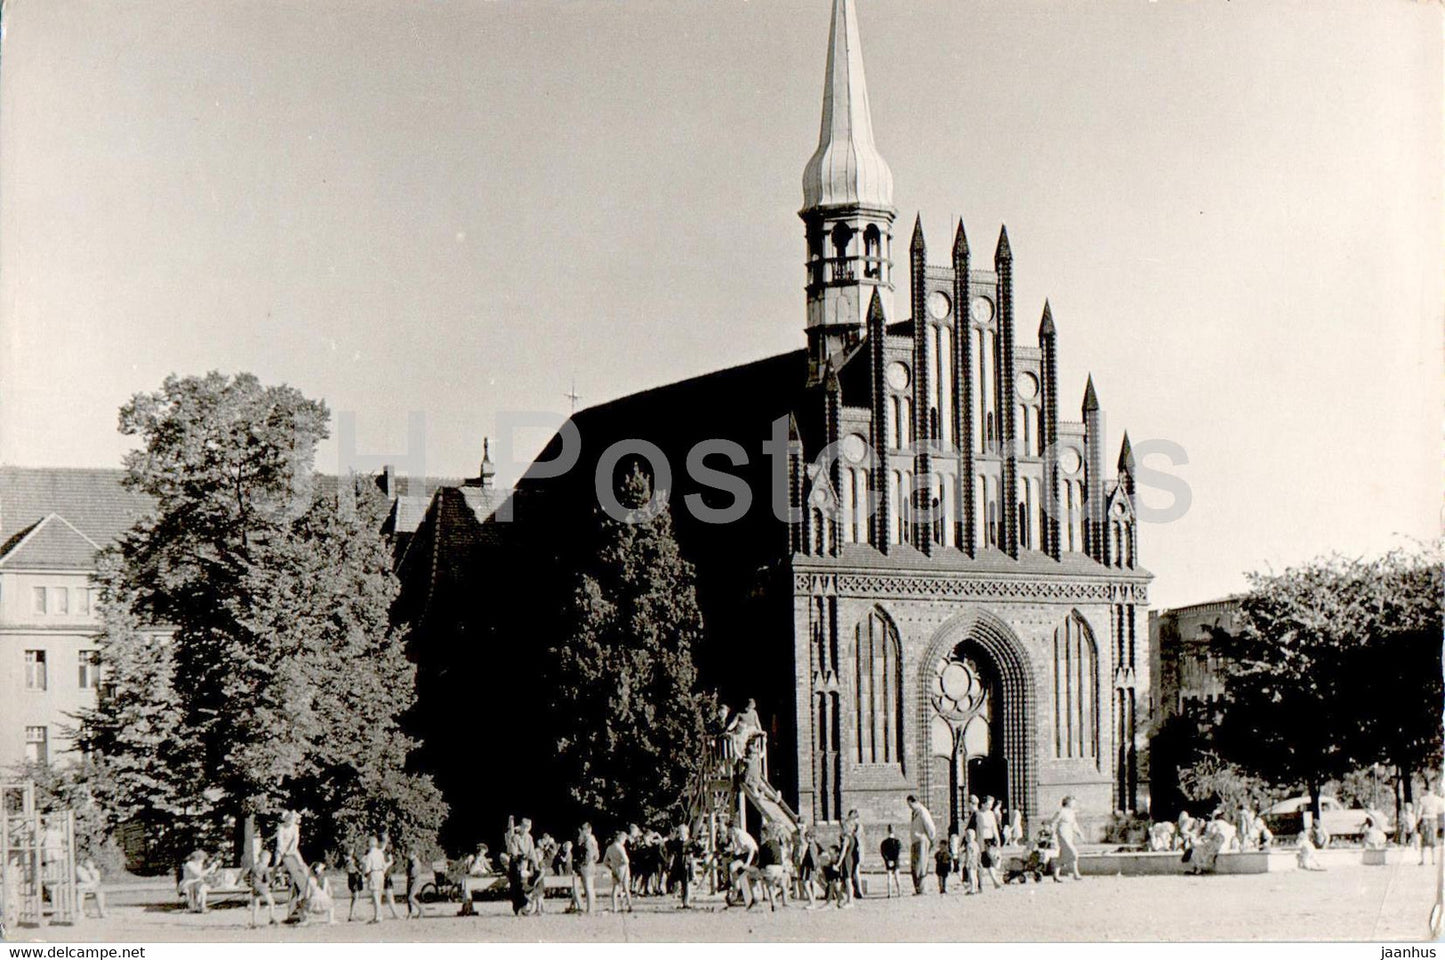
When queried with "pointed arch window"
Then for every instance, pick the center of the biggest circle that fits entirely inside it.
(878, 690)
(1076, 691)
(842, 263)
(872, 252)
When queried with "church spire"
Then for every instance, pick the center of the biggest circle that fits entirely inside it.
(846, 169)
(847, 207)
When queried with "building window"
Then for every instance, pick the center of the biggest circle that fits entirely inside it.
(873, 252)
(82, 601)
(62, 599)
(37, 745)
(878, 691)
(39, 599)
(35, 677)
(89, 677)
(1076, 692)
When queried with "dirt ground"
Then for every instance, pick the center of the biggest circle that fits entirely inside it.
(1351, 903)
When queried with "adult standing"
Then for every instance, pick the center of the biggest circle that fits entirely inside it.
(617, 862)
(921, 835)
(1066, 830)
(853, 845)
(1432, 807)
(373, 864)
(585, 855)
(288, 854)
(680, 864)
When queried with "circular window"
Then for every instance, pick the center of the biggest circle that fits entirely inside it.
(855, 448)
(939, 304)
(959, 689)
(898, 377)
(1069, 460)
(982, 309)
(1028, 386)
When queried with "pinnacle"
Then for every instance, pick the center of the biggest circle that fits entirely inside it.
(1126, 456)
(1091, 399)
(875, 310)
(830, 377)
(960, 242)
(916, 246)
(1046, 326)
(1003, 252)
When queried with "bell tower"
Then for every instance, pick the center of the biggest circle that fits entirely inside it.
(847, 205)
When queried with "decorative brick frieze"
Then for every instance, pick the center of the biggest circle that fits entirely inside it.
(934, 586)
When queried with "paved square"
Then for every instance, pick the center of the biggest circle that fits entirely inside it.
(1347, 903)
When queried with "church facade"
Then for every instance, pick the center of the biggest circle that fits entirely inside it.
(952, 603)
(966, 585)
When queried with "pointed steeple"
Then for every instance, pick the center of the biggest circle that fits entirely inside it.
(1046, 325)
(1091, 399)
(489, 470)
(916, 244)
(1126, 456)
(846, 169)
(1003, 252)
(960, 241)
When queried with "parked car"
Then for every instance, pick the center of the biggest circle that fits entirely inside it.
(1286, 818)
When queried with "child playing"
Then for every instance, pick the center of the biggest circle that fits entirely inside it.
(319, 902)
(413, 886)
(258, 877)
(1307, 858)
(892, 850)
(943, 866)
(972, 863)
(355, 884)
(617, 862)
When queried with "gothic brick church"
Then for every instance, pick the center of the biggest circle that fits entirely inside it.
(950, 606)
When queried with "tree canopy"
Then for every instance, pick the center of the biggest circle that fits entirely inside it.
(250, 662)
(1337, 666)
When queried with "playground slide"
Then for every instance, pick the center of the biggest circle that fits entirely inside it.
(771, 804)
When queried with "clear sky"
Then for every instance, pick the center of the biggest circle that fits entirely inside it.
(457, 207)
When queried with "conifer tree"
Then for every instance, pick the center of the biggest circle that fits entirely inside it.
(631, 719)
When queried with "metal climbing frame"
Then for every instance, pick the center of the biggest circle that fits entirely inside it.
(37, 860)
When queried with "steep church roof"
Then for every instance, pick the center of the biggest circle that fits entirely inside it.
(847, 168)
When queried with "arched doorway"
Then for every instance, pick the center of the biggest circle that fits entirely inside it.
(978, 706)
(965, 739)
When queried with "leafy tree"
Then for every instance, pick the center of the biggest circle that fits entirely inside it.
(278, 678)
(1337, 666)
(624, 685)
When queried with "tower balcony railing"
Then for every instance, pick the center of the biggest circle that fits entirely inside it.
(832, 270)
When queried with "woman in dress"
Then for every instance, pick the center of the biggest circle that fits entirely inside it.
(1065, 825)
